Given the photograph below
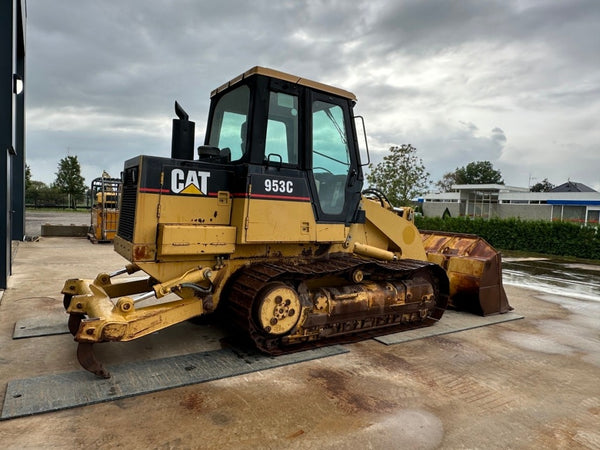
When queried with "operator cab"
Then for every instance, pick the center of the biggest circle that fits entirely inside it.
(289, 128)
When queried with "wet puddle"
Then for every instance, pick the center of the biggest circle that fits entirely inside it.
(554, 276)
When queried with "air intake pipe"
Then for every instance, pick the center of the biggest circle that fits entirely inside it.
(182, 142)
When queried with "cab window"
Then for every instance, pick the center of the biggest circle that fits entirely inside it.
(282, 129)
(230, 117)
(330, 156)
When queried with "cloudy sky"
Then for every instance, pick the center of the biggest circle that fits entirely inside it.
(514, 82)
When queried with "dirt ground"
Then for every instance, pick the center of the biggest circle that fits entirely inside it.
(530, 383)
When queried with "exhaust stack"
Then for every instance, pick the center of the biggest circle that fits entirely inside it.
(182, 142)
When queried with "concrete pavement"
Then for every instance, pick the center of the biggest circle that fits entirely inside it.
(531, 383)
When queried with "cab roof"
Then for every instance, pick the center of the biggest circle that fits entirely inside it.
(272, 73)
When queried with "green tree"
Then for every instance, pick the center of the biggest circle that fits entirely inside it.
(40, 194)
(69, 179)
(27, 176)
(479, 172)
(401, 176)
(34, 192)
(446, 182)
(542, 186)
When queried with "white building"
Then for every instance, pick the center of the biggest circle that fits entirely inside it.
(568, 202)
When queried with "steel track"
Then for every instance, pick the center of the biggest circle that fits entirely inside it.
(248, 281)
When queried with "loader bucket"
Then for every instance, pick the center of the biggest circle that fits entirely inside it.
(474, 269)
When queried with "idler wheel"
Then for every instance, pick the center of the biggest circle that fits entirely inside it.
(277, 309)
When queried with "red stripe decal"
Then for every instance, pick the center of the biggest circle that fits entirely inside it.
(281, 197)
(235, 194)
(156, 191)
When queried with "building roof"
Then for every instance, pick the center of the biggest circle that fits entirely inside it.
(488, 187)
(511, 194)
(572, 186)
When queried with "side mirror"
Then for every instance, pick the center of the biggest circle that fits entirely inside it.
(363, 146)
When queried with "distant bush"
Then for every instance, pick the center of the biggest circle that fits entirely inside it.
(40, 195)
(554, 238)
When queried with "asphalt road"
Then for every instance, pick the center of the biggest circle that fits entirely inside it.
(34, 219)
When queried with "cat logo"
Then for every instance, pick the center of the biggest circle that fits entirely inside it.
(192, 182)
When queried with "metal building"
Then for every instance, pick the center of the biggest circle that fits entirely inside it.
(571, 201)
(13, 16)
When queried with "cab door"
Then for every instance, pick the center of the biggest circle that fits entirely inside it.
(335, 177)
(279, 203)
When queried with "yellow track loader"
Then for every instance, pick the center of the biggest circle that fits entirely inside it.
(268, 225)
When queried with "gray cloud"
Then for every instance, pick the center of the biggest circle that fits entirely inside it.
(498, 136)
(452, 78)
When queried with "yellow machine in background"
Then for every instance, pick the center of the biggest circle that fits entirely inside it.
(105, 209)
(269, 227)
